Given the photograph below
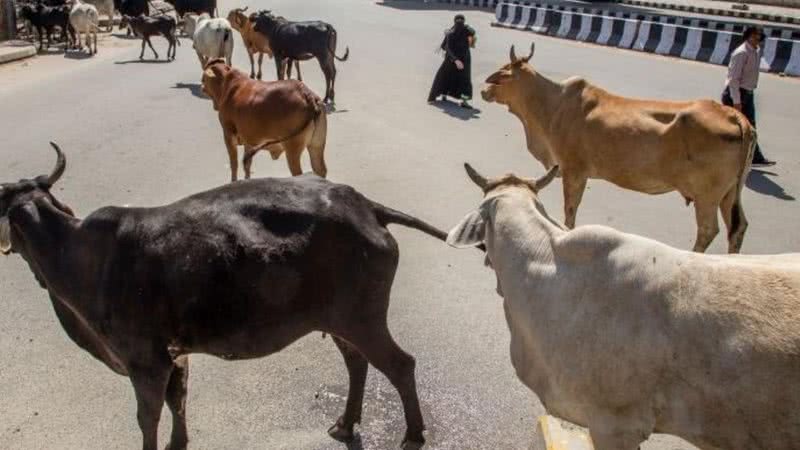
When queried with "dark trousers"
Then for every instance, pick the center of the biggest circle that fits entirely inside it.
(749, 111)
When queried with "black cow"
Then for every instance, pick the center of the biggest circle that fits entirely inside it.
(238, 272)
(146, 26)
(46, 18)
(194, 6)
(131, 8)
(300, 41)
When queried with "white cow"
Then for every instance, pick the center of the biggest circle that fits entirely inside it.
(104, 7)
(190, 21)
(84, 19)
(213, 38)
(628, 336)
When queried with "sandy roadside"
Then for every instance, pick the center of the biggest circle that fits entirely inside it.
(55, 63)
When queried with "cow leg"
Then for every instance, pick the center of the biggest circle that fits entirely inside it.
(382, 352)
(297, 66)
(707, 224)
(150, 44)
(176, 400)
(230, 144)
(573, 193)
(293, 154)
(247, 160)
(252, 63)
(735, 221)
(150, 385)
(357, 365)
(279, 66)
(94, 34)
(260, 60)
(144, 42)
(333, 82)
(325, 65)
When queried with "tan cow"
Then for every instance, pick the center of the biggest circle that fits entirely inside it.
(628, 336)
(698, 148)
(278, 116)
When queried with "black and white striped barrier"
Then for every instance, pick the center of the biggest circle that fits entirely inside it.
(698, 44)
(693, 22)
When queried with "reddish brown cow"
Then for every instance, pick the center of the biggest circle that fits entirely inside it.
(278, 116)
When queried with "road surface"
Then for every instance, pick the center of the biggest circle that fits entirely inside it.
(143, 134)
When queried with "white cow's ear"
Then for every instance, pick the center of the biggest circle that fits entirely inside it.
(470, 232)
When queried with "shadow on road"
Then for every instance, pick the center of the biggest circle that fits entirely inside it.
(77, 54)
(144, 61)
(759, 181)
(195, 88)
(457, 111)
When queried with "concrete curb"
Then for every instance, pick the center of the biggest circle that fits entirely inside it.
(675, 39)
(15, 50)
(713, 11)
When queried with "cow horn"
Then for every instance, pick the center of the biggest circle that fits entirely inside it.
(513, 54)
(542, 182)
(476, 178)
(533, 47)
(61, 165)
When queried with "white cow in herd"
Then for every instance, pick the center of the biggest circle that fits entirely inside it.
(213, 38)
(628, 336)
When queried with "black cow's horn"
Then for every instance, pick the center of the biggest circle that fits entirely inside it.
(61, 164)
(513, 54)
(476, 178)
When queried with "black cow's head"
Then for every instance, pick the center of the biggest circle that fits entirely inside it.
(265, 22)
(16, 197)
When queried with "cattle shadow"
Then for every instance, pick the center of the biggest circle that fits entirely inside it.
(760, 181)
(330, 108)
(195, 88)
(456, 110)
(145, 61)
(77, 54)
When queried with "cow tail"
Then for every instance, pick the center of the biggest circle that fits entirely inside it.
(332, 45)
(319, 136)
(386, 215)
(749, 142)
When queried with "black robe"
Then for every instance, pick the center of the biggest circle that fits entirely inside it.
(449, 80)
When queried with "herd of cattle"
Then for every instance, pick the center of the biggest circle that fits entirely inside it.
(612, 331)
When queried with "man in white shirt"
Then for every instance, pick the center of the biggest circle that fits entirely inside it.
(742, 81)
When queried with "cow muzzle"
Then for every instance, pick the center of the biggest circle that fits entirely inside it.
(488, 94)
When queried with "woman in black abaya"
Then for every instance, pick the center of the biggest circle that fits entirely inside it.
(454, 78)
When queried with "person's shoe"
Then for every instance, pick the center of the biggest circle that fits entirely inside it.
(762, 163)
(464, 104)
(444, 98)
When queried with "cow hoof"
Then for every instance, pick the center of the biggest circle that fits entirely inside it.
(176, 446)
(411, 445)
(341, 433)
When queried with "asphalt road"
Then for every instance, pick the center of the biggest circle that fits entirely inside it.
(142, 134)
